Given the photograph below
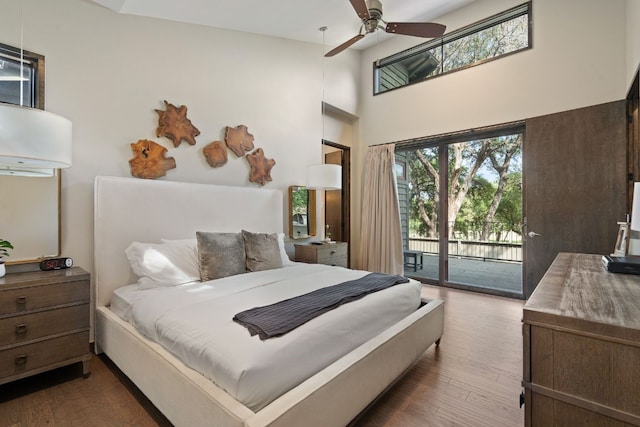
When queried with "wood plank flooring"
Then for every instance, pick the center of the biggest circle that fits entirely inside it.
(63, 398)
(471, 379)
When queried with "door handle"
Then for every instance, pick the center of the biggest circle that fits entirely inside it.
(533, 234)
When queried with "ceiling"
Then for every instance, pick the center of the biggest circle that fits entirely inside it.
(289, 19)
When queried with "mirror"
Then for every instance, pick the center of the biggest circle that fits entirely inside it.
(302, 212)
(30, 216)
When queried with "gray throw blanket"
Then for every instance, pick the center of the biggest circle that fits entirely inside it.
(284, 316)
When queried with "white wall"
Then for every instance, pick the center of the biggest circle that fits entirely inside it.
(633, 39)
(578, 59)
(107, 73)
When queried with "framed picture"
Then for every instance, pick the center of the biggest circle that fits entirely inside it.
(401, 170)
(622, 242)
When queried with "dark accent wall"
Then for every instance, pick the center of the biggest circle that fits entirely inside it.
(574, 165)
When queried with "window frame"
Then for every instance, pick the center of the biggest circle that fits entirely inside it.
(440, 42)
(37, 81)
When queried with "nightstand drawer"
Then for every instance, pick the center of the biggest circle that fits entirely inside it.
(18, 360)
(18, 329)
(335, 261)
(40, 297)
(329, 254)
(44, 322)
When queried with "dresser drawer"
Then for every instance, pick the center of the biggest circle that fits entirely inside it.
(39, 297)
(27, 327)
(21, 359)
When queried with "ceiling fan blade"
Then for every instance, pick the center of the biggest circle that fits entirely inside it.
(361, 8)
(344, 45)
(418, 29)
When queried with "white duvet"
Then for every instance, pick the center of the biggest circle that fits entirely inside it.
(194, 322)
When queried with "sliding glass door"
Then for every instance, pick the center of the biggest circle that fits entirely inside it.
(463, 217)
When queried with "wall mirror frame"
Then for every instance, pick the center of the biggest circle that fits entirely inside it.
(302, 212)
(30, 216)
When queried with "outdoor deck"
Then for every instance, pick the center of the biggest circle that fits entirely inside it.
(490, 274)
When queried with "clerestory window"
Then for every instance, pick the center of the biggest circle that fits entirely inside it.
(499, 35)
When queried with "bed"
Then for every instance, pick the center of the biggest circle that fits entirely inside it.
(129, 210)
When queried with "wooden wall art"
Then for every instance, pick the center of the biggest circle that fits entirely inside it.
(260, 167)
(174, 124)
(239, 140)
(216, 154)
(149, 161)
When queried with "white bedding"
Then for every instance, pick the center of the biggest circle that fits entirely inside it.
(122, 301)
(194, 322)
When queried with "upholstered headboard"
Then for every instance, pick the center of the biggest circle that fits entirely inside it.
(130, 209)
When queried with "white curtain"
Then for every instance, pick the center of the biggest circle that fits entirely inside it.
(381, 231)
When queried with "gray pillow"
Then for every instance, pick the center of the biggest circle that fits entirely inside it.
(262, 251)
(220, 255)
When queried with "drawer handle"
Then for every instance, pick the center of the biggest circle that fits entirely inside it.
(21, 300)
(21, 329)
(21, 360)
(333, 252)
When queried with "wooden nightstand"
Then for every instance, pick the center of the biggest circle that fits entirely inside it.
(44, 322)
(328, 253)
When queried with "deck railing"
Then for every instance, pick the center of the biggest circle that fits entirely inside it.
(510, 252)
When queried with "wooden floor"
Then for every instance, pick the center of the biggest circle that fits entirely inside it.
(471, 379)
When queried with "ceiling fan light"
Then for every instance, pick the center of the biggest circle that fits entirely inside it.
(371, 25)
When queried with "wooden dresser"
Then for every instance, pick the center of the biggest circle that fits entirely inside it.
(581, 329)
(327, 253)
(44, 322)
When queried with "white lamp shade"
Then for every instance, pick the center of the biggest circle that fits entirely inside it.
(635, 208)
(33, 139)
(21, 171)
(324, 177)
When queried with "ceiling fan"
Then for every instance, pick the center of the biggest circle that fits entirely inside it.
(370, 12)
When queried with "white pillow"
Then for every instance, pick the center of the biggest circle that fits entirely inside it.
(164, 264)
(283, 252)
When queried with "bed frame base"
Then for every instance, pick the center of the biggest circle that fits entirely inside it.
(347, 386)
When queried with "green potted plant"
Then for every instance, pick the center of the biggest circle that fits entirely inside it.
(327, 235)
(5, 245)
